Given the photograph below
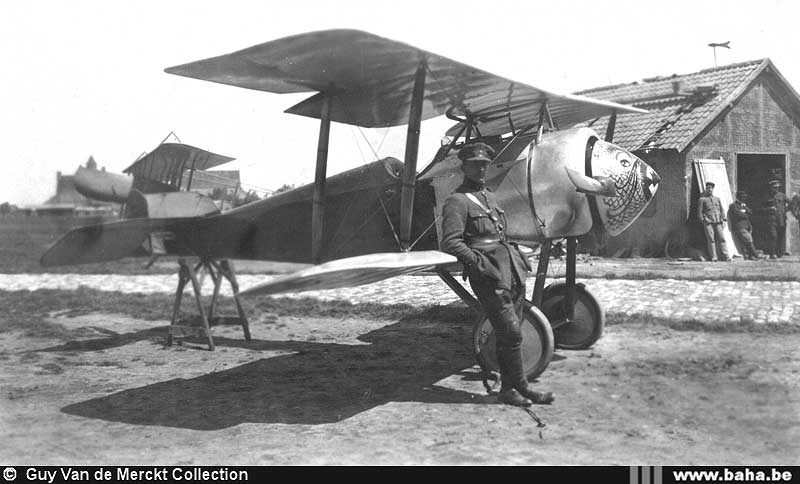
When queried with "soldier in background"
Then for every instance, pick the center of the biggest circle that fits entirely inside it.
(712, 216)
(780, 204)
(770, 214)
(794, 207)
(739, 215)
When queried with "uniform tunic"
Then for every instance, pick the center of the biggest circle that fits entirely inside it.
(772, 217)
(496, 268)
(470, 234)
(712, 216)
(780, 222)
(739, 215)
(709, 209)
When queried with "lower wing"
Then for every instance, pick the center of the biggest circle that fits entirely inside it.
(353, 271)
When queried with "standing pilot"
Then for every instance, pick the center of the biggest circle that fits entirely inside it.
(712, 216)
(473, 230)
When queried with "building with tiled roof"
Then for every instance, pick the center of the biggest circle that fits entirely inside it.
(745, 114)
(67, 199)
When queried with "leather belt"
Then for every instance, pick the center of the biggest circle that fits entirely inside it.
(483, 240)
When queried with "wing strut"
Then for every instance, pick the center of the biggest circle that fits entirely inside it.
(318, 207)
(612, 123)
(412, 148)
(191, 174)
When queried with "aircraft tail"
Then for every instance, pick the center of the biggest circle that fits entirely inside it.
(103, 242)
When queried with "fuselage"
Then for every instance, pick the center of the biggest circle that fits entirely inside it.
(532, 182)
(362, 206)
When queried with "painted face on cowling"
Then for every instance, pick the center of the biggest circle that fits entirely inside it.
(635, 183)
(541, 201)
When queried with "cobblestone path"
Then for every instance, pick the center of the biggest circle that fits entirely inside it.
(704, 300)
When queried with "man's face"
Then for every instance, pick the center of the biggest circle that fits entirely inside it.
(709, 188)
(474, 170)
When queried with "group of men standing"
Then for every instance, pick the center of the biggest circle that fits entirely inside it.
(713, 217)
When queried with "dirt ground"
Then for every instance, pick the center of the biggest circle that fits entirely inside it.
(357, 390)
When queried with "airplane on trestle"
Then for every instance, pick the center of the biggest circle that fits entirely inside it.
(156, 183)
(383, 219)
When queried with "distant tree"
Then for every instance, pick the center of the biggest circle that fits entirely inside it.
(5, 208)
(219, 193)
(284, 188)
(249, 197)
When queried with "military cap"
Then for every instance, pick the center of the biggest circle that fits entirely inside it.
(775, 183)
(710, 184)
(476, 152)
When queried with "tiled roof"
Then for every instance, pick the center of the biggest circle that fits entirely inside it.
(209, 179)
(679, 106)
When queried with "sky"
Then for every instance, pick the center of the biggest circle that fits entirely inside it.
(86, 78)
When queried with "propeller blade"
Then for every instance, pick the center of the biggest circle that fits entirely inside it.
(592, 185)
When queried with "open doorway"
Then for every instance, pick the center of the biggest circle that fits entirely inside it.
(753, 172)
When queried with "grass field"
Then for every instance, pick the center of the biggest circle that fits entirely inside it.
(23, 240)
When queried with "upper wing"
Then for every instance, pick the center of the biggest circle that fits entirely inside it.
(372, 79)
(565, 109)
(168, 162)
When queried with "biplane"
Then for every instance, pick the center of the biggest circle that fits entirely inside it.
(383, 219)
(157, 185)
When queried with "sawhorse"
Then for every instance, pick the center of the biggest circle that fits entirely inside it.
(217, 269)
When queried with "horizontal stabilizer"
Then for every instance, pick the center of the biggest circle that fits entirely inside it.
(352, 271)
(592, 186)
(102, 242)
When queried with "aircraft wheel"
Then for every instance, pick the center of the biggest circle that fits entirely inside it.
(587, 326)
(537, 344)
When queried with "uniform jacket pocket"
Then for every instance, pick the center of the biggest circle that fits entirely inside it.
(484, 267)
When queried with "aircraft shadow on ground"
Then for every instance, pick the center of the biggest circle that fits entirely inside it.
(318, 383)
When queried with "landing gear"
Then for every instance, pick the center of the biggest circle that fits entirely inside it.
(537, 343)
(585, 326)
(562, 315)
(574, 314)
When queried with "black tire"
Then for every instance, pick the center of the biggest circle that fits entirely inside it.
(587, 326)
(537, 343)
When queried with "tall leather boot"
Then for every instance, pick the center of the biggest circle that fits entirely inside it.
(508, 394)
(515, 376)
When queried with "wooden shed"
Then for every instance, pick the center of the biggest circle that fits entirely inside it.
(745, 114)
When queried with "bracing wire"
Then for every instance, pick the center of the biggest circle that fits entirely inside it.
(427, 229)
(211, 176)
(380, 199)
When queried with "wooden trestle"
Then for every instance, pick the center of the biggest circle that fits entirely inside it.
(217, 269)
